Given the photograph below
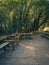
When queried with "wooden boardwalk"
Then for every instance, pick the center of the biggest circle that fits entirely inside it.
(29, 52)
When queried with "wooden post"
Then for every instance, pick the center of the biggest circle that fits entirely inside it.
(12, 46)
(4, 48)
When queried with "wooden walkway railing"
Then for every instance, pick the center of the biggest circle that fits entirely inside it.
(13, 38)
(23, 35)
(45, 34)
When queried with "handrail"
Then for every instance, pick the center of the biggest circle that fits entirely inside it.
(2, 37)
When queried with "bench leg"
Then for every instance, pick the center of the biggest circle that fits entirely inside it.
(4, 48)
(17, 41)
(13, 46)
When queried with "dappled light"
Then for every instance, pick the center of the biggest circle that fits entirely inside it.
(46, 29)
(28, 47)
(33, 15)
(24, 32)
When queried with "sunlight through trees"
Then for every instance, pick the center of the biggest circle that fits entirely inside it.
(32, 15)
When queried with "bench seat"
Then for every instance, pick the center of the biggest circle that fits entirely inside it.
(3, 45)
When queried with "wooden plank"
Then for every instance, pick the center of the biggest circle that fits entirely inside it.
(25, 33)
(4, 44)
(9, 40)
(45, 32)
(45, 36)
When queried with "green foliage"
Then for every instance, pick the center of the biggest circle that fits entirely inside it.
(23, 15)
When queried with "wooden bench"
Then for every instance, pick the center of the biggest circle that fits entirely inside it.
(3, 45)
(7, 41)
(14, 37)
(11, 42)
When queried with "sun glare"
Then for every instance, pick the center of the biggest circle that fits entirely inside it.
(29, 47)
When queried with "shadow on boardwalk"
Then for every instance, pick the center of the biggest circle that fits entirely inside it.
(29, 52)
